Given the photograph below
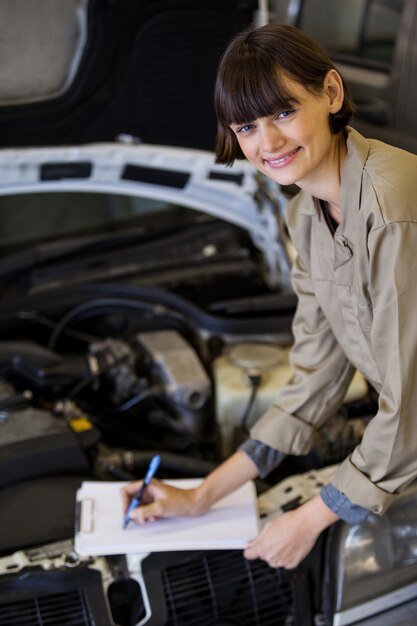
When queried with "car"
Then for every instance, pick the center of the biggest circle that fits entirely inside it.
(146, 306)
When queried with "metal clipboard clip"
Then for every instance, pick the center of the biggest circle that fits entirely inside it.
(84, 516)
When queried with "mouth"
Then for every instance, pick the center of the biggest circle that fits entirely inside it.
(283, 159)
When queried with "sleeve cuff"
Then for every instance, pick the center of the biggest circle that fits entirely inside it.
(342, 506)
(285, 432)
(265, 458)
(359, 488)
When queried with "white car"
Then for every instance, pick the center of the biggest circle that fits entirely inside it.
(146, 305)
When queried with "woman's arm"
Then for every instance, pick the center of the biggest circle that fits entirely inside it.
(161, 500)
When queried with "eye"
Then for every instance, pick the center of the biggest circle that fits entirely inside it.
(244, 129)
(283, 114)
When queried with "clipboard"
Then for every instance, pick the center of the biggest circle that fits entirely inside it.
(229, 524)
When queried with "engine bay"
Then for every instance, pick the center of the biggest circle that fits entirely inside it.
(91, 388)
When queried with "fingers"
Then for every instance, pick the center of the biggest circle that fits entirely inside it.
(271, 557)
(251, 551)
(147, 513)
(282, 543)
(127, 492)
(262, 548)
(158, 500)
(154, 490)
(132, 488)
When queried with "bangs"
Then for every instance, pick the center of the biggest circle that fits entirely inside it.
(255, 89)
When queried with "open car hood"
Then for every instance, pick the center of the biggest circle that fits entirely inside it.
(94, 92)
(184, 177)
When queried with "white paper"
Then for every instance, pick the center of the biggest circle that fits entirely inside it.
(230, 524)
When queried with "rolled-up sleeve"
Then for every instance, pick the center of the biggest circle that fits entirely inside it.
(386, 459)
(321, 376)
(342, 506)
(265, 458)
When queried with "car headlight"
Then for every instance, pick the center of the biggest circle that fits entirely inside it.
(375, 562)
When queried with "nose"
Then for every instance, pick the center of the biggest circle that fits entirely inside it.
(271, 136)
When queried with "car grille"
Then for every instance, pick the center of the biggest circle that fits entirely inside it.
(58, 609)
(223, 587)
(55, 598)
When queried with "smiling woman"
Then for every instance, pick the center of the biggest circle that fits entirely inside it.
(283, 115)
(282, 104)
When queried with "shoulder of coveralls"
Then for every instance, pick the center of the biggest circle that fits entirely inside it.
(389, 182)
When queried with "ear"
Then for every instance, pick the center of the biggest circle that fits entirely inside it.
(333, 89)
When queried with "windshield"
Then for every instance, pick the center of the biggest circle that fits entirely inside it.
(29, 219)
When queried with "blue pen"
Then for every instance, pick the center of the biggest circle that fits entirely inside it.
(153, 466)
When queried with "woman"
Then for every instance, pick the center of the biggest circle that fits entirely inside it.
(282, 104)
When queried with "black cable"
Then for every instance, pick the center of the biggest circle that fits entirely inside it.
(255, 382)
(90, 308)
(173, 306)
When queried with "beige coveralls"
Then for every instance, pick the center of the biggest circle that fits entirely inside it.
(357, 309)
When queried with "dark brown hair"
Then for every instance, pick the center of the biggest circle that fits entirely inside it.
(249, 81)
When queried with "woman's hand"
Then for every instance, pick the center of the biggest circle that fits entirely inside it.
(286, 540)
(160, 500)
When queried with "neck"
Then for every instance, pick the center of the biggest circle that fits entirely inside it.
(334, 211)
(326, 186)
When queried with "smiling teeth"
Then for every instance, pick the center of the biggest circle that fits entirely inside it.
(282, 159)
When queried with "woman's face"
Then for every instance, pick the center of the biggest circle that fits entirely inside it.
(295, 145)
